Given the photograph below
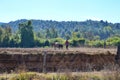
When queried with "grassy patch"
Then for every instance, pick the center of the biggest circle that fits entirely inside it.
(62, 76)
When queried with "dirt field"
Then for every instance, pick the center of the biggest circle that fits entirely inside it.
(74, 59)
(51, 50)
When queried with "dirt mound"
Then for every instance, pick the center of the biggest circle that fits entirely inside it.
(33, 60)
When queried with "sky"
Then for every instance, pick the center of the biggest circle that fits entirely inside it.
(60, 10)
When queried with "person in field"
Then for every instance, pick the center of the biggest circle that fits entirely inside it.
(66, 44)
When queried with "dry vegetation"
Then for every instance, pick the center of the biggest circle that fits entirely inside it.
(85, 62)
(50, 50)
(102, 75)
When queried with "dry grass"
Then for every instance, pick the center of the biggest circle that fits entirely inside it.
(102, 75)
(51, 50)
(110, 71)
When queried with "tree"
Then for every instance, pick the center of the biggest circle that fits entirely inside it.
(89, 35)
(5, 41)
(27, 35)
(74, 35)
(5, 36)
(107, 31)
(51, 33)
(54, 33)
(67, 36)
(1, 33)
(40, 35)
(47, 43)
(48, 34)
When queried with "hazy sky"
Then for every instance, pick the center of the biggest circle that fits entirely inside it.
(60, 10)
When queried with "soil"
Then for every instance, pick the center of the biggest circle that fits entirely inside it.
(74, 59)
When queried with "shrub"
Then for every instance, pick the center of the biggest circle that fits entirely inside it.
(24, 76)
(47, 43)
(78, 42)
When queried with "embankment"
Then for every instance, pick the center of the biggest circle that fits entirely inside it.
(54, 61)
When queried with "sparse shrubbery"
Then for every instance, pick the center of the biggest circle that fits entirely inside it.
(23, 76)
(113, 74)
(34, 76)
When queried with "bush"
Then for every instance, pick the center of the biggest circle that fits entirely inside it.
(60, 40)
(78, 42)
(24, 76)
(113, 41)
(39, 42)
(97, 43)
(47, 43)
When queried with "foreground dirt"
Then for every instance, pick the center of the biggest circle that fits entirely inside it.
(74, 59)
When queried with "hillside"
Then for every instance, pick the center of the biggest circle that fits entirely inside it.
(1, 23)
(84, 29)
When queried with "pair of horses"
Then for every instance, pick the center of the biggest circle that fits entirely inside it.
(57, 45)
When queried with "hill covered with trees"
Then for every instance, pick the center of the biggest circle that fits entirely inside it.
(89, 32)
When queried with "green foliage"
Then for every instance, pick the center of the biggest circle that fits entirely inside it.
(103, 29)
(51, 33)
(96, 43)
(54, 33)
(27, 36)
(59, 40)
(113, 41)
(91, 33)
(96, 37)
(23, 76)
(5, 34)
(67, 36)
(47, 43)
(74, 35)
(77, 42)
(5, 41)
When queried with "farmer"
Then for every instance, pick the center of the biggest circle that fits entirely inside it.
(67, 44)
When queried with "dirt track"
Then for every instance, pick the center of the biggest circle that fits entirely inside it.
(51, 50)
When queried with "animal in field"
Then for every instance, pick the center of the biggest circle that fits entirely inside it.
(57, 45)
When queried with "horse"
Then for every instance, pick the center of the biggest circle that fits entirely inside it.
(57, 45)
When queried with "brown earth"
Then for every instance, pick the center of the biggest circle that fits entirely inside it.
(74, 59)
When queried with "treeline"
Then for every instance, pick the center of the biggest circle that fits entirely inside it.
(86, 29)
(26, 36)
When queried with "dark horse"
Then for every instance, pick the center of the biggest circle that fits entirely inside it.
(57, 45)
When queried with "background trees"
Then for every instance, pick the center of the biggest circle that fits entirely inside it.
(5, 35)
(39, 33)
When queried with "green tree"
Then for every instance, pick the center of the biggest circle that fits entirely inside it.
(48, 34)
(107, 31)
(5, 36)
(54, 33)
(15, 40)
(40, 35)
(47, 43)
(27, 35)
(67, 36)
(89, 35)
(1, 33)
(74, 35)
(5, 41)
